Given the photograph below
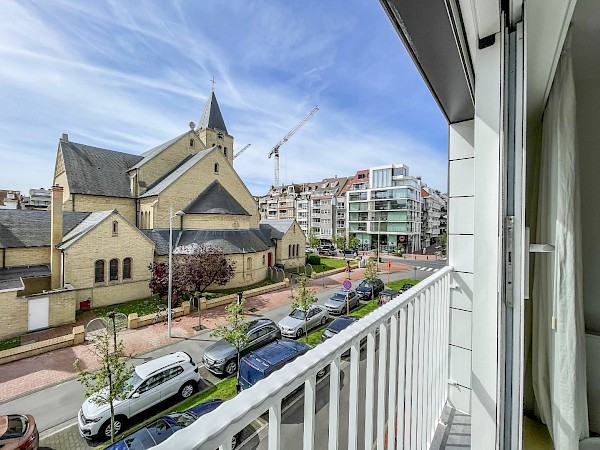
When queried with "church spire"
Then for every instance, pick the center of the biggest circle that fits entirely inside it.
(212, 118)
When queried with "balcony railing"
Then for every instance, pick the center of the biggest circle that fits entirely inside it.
(405, 391)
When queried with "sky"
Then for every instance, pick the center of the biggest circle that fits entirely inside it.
(130, 75)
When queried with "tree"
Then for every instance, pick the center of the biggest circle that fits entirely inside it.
(353, 242)
(159, 280)
(110, 382)
(442, 240)
(371, 274)
(312, 239)
(304, 299)
(234, 329)
(340, 242)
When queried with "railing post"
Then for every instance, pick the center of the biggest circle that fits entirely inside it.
(402, 352)
(369, 390)
(393, 381)
(309, 413)
(275, 426)
(334, 403)
(410, 347)
(353, 403)
(381, 391)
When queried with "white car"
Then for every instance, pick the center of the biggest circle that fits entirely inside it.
(151, 382)
(293, 325)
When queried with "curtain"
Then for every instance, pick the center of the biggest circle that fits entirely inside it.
(558, 330)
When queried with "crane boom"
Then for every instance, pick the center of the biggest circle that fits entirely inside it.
(238, 153)
(275, 150)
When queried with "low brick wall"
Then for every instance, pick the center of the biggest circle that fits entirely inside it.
(227, 299)
(37, 348)
(133, 321)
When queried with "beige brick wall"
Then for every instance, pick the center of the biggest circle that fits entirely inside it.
(61, 304)
(100, 243)
(210, 139)
(14, 315)
(91, 203)
(170, 157)
(194, 181)
(26, 256)
(295, 235)
(120, 293)
(215, 222)
(61, 180)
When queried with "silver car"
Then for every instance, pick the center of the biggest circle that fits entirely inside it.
(293, 325)
(339, 302)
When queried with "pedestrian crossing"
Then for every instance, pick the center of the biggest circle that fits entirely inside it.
(427, 269)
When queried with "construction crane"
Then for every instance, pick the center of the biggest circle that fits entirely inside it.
(275, 150)
(238, 153)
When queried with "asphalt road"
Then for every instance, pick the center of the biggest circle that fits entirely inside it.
(55, 408)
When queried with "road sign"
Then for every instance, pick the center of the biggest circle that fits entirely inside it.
(347, 284)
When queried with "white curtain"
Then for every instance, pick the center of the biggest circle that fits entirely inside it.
(558, 330)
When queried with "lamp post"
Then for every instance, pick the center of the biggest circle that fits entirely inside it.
(170, 291)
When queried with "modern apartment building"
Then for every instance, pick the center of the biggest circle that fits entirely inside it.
(384, 207)
(433, 205)
(279, 203)
(38, 199)
(10, 199)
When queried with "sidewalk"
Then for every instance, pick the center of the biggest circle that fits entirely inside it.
(24, 376)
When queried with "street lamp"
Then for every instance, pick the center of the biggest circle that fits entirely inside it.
(171, 215)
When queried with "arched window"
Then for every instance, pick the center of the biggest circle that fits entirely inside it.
(99, 271)
(297, 249)
(290, 251)
(216, 167)
(114, 269)
(126, 268)
(249, 264)
(191, 142)
(263, 260)
(220, 147)
(115, 228)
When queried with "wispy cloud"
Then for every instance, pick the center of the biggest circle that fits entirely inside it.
(130, 75)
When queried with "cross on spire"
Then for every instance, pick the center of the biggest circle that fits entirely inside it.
(213, 83)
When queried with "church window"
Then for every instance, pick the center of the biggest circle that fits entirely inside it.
(220, 147)
(297, 249)
(249, 264)
(127, 268)
(225, 151)
(290, 251)
(115, 228)
(191, 142)
(114, 269)
(99, 271)
(216, 167)
(263, 260)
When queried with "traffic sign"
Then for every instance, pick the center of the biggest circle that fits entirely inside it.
(347, 284)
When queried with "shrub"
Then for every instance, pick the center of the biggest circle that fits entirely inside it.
(313, 260)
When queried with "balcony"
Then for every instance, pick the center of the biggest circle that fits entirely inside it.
(404, 385)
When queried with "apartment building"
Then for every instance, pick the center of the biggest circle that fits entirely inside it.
(279, 203)
(38, 199)
(10, 199)
(433, 205)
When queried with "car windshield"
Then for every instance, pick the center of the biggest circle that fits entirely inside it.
(184, 419)
(338, 297)
(135, 380)
(298, 314)
(16, 427)
(365, 284)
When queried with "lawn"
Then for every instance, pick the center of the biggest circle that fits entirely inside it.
(13, 342)
(332, 263)
(397, 285)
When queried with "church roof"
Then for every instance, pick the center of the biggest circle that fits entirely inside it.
(215, 199)
(97, 171)
(212, 117)
(230, 241)
(148, 155)
(178, 171)
(24, 228)
(275, 229)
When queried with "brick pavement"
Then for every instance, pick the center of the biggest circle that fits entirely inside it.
(21, 377)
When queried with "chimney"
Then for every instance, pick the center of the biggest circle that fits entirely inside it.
(65, 137)
(56, 235)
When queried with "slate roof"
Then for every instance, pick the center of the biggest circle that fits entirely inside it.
(25, 228)
(97, 171)
(19, 272)
(215, 199)
(275, 229)
(148, 155)
(157, 188)
(83, 227)
(11, 285)
(212, 117)
(230, 241)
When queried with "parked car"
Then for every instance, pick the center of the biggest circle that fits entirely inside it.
(327, 250)
(364, 288)
(337, 325)
(351, 252)
(337, 302)
(151, 383)
(386, 295)
(293, 324)
(18, 431)
(261, 363)
(161, 429)
(221, 357)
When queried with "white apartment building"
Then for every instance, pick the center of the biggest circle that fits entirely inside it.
(38, 199)
(433, 207)
(384, 208)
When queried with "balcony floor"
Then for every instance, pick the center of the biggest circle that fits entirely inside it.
(453, 431)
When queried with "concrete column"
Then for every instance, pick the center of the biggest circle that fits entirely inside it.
(56, 235)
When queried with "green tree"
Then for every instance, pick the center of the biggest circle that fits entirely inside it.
(234, 329)
(340, 242)
(312, 239)
(304, 299)
(110, 383)
(371, 274)
(442, 240)
(353, 242)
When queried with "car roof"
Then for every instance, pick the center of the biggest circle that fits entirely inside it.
(150, 367)
(275, 352)
(342, 322)
(259, 323)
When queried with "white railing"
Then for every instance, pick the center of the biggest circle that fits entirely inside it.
(410, 381)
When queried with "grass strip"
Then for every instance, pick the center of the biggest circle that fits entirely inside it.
(9, 343)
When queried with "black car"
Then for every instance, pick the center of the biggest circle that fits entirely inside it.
(364, 288)
(351, 252)
(337, 325)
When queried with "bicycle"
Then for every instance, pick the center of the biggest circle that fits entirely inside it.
(161, 314)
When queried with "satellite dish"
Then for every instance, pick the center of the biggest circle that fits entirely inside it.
(192, 125)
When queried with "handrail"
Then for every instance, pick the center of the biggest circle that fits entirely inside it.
(212, 431)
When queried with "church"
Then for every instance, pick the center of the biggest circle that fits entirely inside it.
(110, 218)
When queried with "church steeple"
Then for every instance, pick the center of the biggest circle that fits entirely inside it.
(212, 118)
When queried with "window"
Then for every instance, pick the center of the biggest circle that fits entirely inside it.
(216, 167)
(115, 228)
(191, 142)
(126, 268)
(263, 260)
(225, 151)
(249, 263)
(290, 251)
(99, 271)
(114, 269)
(297, 249)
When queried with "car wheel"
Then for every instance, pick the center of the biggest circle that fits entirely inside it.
(323, 320)
(234, 440)
(119, 423)
(187, 390)
(230, 367)
(321, 373)
(299, 333)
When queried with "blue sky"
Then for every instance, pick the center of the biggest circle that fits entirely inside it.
(129, 75)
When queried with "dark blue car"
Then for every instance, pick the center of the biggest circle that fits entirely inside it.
(161, 429)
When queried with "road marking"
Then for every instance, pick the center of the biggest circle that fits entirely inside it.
(52, 431)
